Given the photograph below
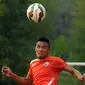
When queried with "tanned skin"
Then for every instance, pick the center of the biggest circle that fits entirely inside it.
(42, 50)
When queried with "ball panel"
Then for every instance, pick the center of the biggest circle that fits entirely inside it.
(36, 12)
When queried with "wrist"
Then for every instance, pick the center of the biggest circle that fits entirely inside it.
(12, 75)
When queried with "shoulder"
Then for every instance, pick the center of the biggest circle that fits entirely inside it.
(34, 61)
(54, 57)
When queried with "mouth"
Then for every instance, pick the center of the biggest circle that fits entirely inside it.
(39, 53)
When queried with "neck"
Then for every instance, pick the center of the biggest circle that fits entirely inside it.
(42, 57)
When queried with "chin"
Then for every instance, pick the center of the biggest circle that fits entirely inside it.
(41, 57)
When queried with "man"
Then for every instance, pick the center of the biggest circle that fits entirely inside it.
(45, 69)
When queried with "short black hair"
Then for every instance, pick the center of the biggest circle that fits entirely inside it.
(44, 39)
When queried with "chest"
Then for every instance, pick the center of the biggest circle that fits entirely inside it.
(45, 67)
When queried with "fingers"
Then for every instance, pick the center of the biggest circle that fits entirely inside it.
(83, 77)
(4, 70)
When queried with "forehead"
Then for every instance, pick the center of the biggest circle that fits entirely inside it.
(41, 43)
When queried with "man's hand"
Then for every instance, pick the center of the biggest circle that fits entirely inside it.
(6, 71)
(83, 78)
(23, 81)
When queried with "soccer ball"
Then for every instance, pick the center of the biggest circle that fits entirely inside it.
(36, 12)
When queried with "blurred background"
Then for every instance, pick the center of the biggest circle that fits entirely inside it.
(64, 25)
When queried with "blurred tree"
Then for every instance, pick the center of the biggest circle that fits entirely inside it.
(77, 39)
(18, 35)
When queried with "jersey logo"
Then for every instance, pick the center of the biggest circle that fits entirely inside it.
(46, 63)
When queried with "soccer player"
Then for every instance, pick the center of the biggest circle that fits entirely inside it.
(45, 69)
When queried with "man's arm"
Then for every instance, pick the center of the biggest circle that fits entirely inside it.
(73, 71)
(23, 81)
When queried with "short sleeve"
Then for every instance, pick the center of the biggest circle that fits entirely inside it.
(30, 71)
(60, 64)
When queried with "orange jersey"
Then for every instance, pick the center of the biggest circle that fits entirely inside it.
(46, 71)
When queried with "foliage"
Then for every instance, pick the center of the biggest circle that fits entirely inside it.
(59, 46)
(18, 35)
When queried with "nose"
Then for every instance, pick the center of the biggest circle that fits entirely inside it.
(40, 49)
